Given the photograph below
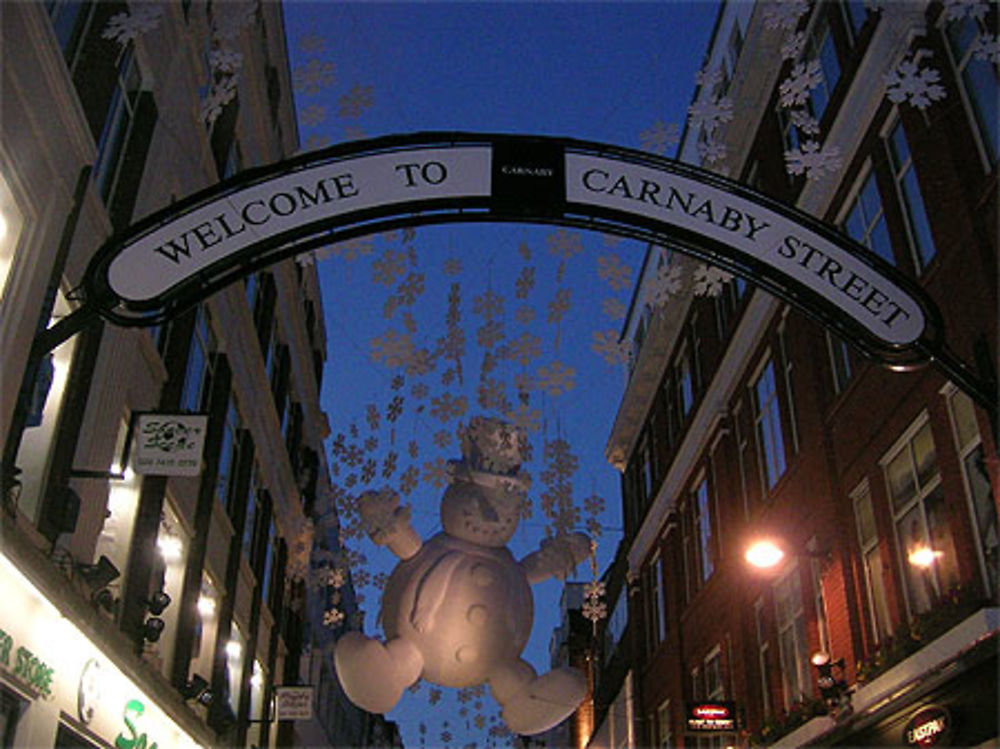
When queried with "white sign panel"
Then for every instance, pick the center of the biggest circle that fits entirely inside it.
(169, 444)
(164, 257)
(751, 228)
(293, 703)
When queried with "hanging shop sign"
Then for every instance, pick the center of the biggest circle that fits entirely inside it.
(704, 717)
(928, 726)
(169, 444)
(181, 255)
(293, 703)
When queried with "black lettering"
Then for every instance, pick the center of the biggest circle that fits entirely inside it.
(410, 182)
(648, 190)
(588, 174)
(789, 247)
(345, 185)
(754, 227)
(829, 263)
(705, 208)
(309, 199)
(292, 205)
(876, 298)
(433, 172)
(221, 219)
(206, 235)
(811, 252)
(246, 213)
(854, 283)
(891, 317)
(622, 185)
(178, 248)
(674, 195)
(731, 219)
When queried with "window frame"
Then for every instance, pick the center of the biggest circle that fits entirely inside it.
(768, 424)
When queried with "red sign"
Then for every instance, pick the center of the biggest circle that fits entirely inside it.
(711, 716)
(928, 726)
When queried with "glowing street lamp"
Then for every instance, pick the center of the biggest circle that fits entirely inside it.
(923, 556)
(764, 554)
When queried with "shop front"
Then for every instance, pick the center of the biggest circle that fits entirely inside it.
(58, 689)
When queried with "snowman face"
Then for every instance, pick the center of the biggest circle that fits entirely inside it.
(479, 515)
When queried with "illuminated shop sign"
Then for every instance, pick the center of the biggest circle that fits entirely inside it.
(174, 258)
(25, 665)
(929, 726)
(169, 444)
(711, 716)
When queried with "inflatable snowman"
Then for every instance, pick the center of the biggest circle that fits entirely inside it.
(457, 610)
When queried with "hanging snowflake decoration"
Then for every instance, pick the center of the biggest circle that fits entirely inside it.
(525, 282)
(608, 347)
(448, 406)
(594, 504)
(987, 47)
(709, 280)
(312, 44)
(225, 61)
(614, 272)
(595, 611)
(709, 114)
(313, 77)
(352, 104)
(659, 137)
(312, 115)
(665, 285)
(525, 418)
(805, 122)
(222, 92)
(336, 578)
(332, 617)
(353, 132)
(389, 268)
(559, 306)
(140, 19)
(711, 151)
(813, 161)
(784, 14)
(613, 309)
(232, 17)
(805, 76)
(708, 77)
(956, 10)
(353, 249)
(910, 83)
(564, 244)
(452, 266)
(594, 589)
(793, 45)
(556, 379)
(391, 349)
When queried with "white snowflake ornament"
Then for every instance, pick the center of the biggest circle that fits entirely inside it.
(987, 47)
(910, 83)
(710, 113)
(332, 617)
(813, 161)
(126, 27)
(794, 90)
(709, 280)
(784, 14)
(666, 284)
(956, 10)
(658, 137)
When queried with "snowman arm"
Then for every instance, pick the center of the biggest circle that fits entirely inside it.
(557, 557)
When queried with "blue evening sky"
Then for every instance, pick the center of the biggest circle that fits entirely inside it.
(595, 71)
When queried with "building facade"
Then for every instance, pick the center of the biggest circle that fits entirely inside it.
(744, 419)
(137, 603)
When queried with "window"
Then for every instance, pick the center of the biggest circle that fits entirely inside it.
(857, 14)
(228, 455)
(873, 567)
(763, 655)
(923, 533)
(792, 643)
(788, 369)
(979, 81)
(664, 734)
(258, 689)
(252, 518)
(169, 565)
(865, 220)
(977, 484)
(235, 658)
(819, 600)
(715, 687)
(69, 20)
(841, 369)
(267, 582)
(821, 47)
(118, 125)
(703, 525)
(685, 382)
(742, 447)
(11, 707)
(646, 458)
(767, 419)
(194, 396)
(655, 623)
(206, 626)
(908, 189)
(11, 223)
(616, 624)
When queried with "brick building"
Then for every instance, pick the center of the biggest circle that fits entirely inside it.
(166, 607)
(743, 418)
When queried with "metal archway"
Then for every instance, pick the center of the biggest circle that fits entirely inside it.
(180, 255)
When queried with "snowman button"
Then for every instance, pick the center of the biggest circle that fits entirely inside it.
(477, 615)
(482, 575)
(466, 654)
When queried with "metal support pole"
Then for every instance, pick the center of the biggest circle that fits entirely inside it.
(46, 339)
(977, 386)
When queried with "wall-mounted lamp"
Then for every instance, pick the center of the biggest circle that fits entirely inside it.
(158, 602)
(197, 689)
(768, 553)
(833, 690)
(152, 628)
(923, 556)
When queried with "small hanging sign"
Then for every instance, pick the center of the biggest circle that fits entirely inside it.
(169, 444)
(293, 703)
